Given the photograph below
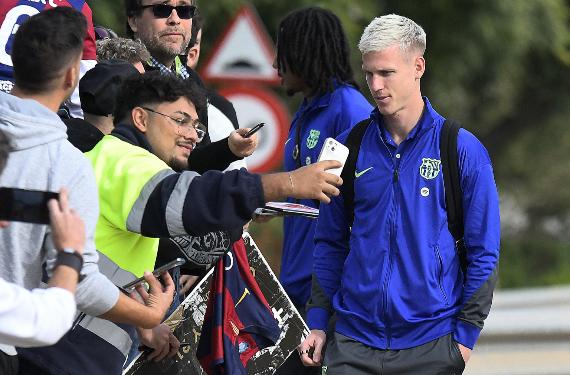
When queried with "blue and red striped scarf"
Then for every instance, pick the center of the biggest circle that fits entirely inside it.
(238, 321)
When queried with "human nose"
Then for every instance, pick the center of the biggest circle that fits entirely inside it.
(375, 83)
(173, 17)
(189, 133)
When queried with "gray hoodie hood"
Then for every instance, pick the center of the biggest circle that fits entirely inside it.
(28, 123)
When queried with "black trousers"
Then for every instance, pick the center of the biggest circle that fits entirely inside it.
(8, 364)
(441, 356)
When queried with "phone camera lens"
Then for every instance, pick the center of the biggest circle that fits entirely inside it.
(332, 148)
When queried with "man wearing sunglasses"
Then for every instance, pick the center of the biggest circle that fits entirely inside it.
(165, 28)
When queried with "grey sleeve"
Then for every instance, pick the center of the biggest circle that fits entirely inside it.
(318, 297)
(95, 294)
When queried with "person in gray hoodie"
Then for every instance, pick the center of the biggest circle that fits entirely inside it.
(46, 54)
(41, 317)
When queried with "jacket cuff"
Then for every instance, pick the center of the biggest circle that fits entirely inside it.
(318, 318)
(256, 191)
(466, 334)
(214, 156)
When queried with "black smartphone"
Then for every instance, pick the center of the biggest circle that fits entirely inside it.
(157, 272)
(29, 206)
(254, 130)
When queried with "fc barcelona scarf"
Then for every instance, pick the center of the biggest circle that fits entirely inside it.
(238, 321)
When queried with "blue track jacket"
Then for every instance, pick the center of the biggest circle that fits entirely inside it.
(395, 279)
(325, 116)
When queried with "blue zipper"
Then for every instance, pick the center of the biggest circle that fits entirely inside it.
(393, 230)
(440, 273)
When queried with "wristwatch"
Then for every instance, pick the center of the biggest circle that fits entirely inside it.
(71, 258)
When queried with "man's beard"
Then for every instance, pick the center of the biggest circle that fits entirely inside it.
(178, 165)
(162, 52)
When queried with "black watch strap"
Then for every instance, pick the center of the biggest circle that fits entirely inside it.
(70, 258)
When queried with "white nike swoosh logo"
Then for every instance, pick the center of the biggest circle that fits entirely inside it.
(358, 174)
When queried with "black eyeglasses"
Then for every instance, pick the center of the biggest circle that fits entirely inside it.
(185, 12)
(184, 123)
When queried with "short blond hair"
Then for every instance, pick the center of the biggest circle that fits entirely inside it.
(392, 29)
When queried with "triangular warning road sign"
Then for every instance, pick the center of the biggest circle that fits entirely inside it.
(244, 52)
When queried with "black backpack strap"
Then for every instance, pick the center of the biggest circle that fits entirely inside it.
(353, 142)
(452, 184)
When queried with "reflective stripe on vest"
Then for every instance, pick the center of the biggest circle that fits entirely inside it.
(109, 331)
(116, 274)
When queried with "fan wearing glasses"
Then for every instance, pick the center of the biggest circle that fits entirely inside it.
(147, 193)
(188, 128)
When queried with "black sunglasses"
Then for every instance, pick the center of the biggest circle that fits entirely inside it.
(185, 12)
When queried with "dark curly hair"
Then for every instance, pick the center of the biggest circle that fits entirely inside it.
(155, 88)
(312, 44)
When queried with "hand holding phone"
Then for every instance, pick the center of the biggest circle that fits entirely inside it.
(334, 150)
(254, 130)
(241, 141)
(157, 298)
(129, 287)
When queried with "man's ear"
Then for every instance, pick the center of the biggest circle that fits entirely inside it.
(132, 21)
(139, 118)
(192, 52)
(420, 66)
(192, 57)
(71, 75)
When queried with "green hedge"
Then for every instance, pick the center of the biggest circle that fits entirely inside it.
(534, 261)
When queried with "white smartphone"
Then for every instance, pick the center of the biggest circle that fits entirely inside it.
(334, 150)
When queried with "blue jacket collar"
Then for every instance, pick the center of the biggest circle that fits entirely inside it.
(320, 101)
(426, 121)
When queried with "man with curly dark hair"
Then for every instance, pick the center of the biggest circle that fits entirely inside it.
(313, 60)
